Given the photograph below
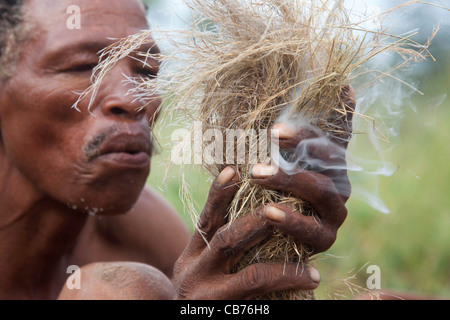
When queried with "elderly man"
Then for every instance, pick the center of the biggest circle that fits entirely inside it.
(73, 182)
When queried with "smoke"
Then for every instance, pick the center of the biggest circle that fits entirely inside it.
(386, 94)
(380, 113)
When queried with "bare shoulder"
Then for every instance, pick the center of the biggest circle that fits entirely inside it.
(152, 233)
(120, 281)
(152, 209)
(165, 231)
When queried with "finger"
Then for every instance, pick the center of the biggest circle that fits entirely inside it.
(305, 229)
(328, 158)
(311, 145)
(232, 241)
(214, 214)
(288, 136)
(259, 279)
(314, 188)
(310, 150)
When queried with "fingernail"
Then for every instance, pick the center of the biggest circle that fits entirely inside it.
(262, 171)
(275, 214)
(225, 176)
(283, 131)
(314, 274)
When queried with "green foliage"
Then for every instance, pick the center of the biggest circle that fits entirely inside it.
(412, 244)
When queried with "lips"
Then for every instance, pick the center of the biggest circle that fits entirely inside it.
(126, 150)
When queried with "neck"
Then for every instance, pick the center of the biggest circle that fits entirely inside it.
(37, 234)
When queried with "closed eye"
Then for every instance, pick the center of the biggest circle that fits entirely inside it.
(147, 72)
(87, 67)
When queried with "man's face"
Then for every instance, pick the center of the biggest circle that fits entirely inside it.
(96, 160)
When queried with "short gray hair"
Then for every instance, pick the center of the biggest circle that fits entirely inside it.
(10, 21)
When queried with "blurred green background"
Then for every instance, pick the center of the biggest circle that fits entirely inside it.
(411, 245)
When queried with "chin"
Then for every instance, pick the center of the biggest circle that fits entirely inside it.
(111, 211)
(110, 208)
(119, 203)
(108, 201)
(108, 190)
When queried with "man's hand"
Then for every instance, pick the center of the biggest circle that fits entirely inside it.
(204, 269)
(326, 187)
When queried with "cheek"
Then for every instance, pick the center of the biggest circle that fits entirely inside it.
(39, 128)
(42, 150)
(153, 109)
(42, 140)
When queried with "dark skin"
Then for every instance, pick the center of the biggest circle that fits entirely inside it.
(59, 166)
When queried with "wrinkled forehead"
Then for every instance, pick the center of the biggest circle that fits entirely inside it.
(58, 22)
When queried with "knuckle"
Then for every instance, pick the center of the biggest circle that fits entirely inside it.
(326, 240)
(217, 202)
(320, 238)
(311, 233)
(204, 223)
(183, 290)
(214, 202)
(286, 182)
(188, 289)
(328, 193)
(330, 238)
(341, 181)
(222, 241)
(342, 215)
(327, 187)
(255, 275)
(178, 266)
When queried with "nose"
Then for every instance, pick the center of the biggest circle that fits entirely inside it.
(121, 107)
(119, 100)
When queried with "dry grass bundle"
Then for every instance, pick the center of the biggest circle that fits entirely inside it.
(244, 63)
